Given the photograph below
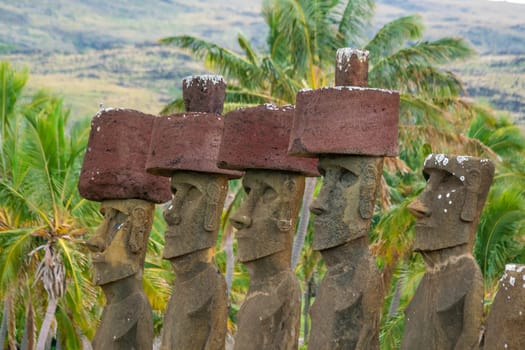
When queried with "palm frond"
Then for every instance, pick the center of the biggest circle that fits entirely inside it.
(420, 55)
(227, 62)
(245, 45)
(501, 231)
(353, 20)
(15, 244)
(293, 31)
(174, 106)
(393, 36)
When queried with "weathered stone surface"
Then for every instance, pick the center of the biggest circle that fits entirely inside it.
(197, 311)
(447, 308)
(345, 120)
(505, 326)
(347, 309)
(114, 164)
(257, 138)
(351, 67)
(345, 204)
(185, 147)
(269, 317)
(449, 212)
(204, 93)
(196, 316)
(347, 127)
(118, 252)
(186, 141)
(194, 214)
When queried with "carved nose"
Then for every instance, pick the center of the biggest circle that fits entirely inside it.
(319, 205)
(418, 208)
(96, 244)
(240, 221)
(171, 215)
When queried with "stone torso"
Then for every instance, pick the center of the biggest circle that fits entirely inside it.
(505, 325)
(196, 315)
(269, 317)
(347, 308)
(126, 325)
(447, 301)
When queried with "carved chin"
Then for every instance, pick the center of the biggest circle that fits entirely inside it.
(326, 237)
(429, 238)
(185, 243)
(252, 249)
(105, 273)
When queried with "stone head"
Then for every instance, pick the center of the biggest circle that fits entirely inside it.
(447, 211)
(267, 218)
(119, 244)
(194, 214)
(345, 204)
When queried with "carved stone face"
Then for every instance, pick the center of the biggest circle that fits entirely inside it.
(193, 216)
(266, 220)
(438, 212)
(448, 209)
(119, 244)
(345, 204)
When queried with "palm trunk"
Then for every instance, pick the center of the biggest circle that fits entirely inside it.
(28, 339)
(302, 227)
(5, 320)
(394, 304)
(228, 249)
(8, 324)
(46, 324)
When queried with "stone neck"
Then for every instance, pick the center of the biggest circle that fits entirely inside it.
(437, 259)
(345, 253)
(265, 268)
(188, 266)
(121, 289)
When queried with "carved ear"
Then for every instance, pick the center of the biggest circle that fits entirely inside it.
(289, 185)
(367, 191)
(473, 181)
(211, 217)
(138, 228)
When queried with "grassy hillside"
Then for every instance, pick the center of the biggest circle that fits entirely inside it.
(94, 51)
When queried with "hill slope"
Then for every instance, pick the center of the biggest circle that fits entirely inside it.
(98, 51)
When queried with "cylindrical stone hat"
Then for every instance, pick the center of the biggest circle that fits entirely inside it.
(190, 141)
(114, 164)
(352, 120)
(187, 141)
(257, 138)
(204, 93)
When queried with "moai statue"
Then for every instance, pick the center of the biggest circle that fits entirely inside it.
(256, 139)
(113, 173)
(350, 129)
(184, 147)
(505, 326)
(447, 308)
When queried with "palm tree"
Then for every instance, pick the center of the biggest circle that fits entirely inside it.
(42, 213)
